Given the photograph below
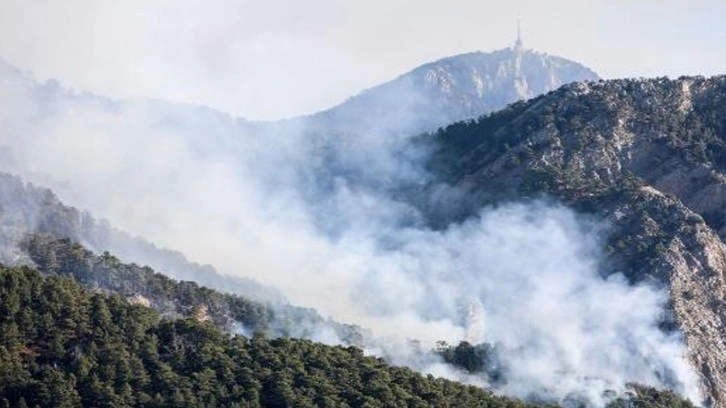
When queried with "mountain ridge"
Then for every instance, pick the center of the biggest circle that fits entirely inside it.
(642, 154)
(481, 62)
(38, 230)
(456, 88)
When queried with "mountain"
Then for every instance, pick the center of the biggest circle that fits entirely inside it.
(344, 139)
(357, 141)
(45, 125)
(453, 89)
(646, 156)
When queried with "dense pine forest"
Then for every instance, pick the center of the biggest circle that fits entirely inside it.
(62, 345)
(172, 298)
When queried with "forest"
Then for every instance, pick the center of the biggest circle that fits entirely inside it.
(62, 345)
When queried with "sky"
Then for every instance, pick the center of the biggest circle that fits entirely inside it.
(279, 58)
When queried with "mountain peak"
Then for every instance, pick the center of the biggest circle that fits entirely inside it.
(456, 88)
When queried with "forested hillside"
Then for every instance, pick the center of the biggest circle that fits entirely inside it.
(38, 229)
(62, 345)
(26, 209)
(62, 257)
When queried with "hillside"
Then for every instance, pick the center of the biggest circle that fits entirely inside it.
(646, 156)
(37, 229)
(28, 209)
(64, 346)
(452, 89)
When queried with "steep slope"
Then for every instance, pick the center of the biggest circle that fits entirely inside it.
(141, 285)
(453, 89)
(648, 156)
(355, 142)
(37, 229)
(26, 209)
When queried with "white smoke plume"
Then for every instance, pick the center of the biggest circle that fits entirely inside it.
(278, 206)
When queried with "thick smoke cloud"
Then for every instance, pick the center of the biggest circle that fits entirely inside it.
(301, 212)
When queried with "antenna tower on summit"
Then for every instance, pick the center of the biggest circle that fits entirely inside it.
(519, 45)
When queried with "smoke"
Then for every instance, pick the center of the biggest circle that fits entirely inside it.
(533, 267)
(313, 215)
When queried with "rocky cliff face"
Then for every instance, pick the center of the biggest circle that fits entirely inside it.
(647, 155)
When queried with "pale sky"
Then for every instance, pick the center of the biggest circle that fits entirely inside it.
(267, 59)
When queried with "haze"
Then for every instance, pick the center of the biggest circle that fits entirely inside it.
(280, 58)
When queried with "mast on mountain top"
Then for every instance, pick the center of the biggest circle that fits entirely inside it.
(519, 45)
(520, 82)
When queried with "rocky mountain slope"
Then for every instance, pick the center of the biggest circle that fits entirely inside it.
(648, 156)
(355, 140)
(453, 89)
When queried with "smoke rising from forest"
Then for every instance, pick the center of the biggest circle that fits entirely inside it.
(312, 214)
